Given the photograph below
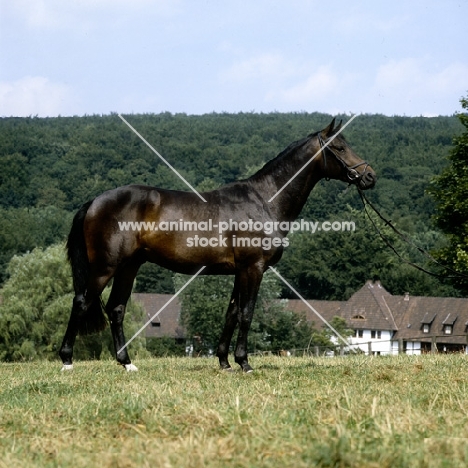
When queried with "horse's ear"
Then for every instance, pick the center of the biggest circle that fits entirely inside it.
(337, 129)
(328, 131)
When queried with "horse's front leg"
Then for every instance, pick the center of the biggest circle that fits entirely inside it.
(249, 284)
(229, 327)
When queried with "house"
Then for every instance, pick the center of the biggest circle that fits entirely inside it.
(382, 324)
(431, 323)
(387, 324)
(368, 314)
(167, 322)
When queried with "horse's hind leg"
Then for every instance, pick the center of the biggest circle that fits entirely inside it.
(79, 309)
(229, 327)
(115, 308)
(86, 310)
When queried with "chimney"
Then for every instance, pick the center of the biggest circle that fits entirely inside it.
(406, 298)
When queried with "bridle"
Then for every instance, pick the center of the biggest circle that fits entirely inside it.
(351, 173)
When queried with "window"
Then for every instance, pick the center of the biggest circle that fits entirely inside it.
(360, 333)
(358, 317)
(155, 324)
(427, 321)
(372, 334)
(448, 323)
(379, 334)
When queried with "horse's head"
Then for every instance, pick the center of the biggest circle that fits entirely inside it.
(340, 162)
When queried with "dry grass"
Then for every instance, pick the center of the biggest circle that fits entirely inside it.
(298, 412)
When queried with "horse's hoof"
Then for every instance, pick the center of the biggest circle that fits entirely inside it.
(66, 367)
(130, 367)
(247, 369)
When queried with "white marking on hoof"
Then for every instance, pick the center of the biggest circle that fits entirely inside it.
(131, 367)
(66, 367)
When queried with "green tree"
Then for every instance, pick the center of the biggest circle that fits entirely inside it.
(36, 301)
(23, 229)
(14, 180)
(204, 305)
(450, 191)
(286, 330)
(164, 346)
(333, 265)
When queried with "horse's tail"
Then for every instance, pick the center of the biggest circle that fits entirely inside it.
(93, 320)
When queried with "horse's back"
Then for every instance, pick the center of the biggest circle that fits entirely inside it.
(157, 225)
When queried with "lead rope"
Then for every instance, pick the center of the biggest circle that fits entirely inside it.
(366, 202)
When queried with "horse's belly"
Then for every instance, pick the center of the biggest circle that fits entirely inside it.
(179, 251)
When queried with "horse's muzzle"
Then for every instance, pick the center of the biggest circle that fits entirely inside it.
(367, 180)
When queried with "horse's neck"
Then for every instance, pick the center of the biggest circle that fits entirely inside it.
(285, 189)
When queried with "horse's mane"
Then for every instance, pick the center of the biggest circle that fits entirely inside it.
(282, 158)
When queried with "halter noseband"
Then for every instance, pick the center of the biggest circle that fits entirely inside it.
(351, 173)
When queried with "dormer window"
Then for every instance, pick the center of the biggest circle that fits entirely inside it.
(358, 317)
(426, 322)
(447, 324)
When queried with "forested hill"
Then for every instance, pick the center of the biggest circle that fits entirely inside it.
(50, 166)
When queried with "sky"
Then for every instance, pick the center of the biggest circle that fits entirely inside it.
(84, 57)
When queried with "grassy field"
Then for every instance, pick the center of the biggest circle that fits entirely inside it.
(291, 412)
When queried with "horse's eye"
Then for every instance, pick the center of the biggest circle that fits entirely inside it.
(340, 149)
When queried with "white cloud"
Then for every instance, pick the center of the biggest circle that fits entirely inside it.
(318, 85)
(397, 73)
(418, 84)
(34, 95)
(289, 83)
(454, 76)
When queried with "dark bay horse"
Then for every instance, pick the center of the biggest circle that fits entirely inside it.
(257, 211)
